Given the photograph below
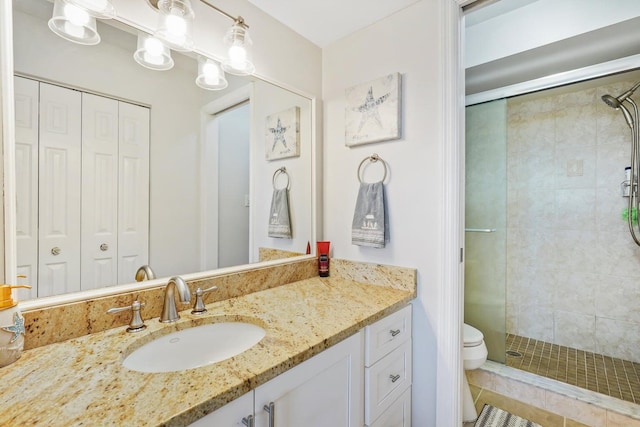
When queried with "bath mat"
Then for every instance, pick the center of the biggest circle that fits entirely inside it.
(496, 417)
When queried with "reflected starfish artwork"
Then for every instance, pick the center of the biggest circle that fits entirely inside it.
(282, 134)
(279, 134)
(372, 113)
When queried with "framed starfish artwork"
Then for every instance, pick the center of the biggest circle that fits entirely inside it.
(282, 134)
(373, 111)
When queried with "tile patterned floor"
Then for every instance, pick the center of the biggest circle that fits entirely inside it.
(540, 416)
(607, 375)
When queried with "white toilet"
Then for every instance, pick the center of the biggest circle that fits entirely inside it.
(474, 354)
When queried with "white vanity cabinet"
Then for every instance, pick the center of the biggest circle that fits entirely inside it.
(388, 367)
(230, 415)
(364, 380)
(326, 390)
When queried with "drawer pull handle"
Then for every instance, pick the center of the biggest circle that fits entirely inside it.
(270, 408)
(394, 378)
(248, 421)
(394, 332)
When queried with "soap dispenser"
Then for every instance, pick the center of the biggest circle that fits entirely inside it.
(11, 326)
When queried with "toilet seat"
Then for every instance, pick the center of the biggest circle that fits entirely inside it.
(471, 336)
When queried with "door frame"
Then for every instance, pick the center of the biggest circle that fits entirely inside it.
(209, 184)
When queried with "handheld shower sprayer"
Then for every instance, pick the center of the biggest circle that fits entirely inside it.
(634, 169)
(616, 102)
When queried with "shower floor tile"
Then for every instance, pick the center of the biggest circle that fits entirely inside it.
(603, 374)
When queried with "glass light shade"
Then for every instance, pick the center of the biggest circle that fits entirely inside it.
(238, 43)
(73, 23)
(175, 24)
(152, 53)
(102, 9)
(210, 76)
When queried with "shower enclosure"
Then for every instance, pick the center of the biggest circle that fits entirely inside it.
(551, 272)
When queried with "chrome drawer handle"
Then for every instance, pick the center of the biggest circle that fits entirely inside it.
(394, 378)
(248, 421)
(270, 408)
(56, 251)
(104, 247)
(394, 332)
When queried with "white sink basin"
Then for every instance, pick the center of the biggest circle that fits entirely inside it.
(194, 347)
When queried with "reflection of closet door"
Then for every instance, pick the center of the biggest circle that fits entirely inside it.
(26, 116)
(99, 263)
(133, 194)
(59, 200)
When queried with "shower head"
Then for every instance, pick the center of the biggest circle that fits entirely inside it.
(617, 104)
(611, 101)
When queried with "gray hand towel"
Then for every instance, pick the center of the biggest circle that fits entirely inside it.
(369, 227)
(279, 219)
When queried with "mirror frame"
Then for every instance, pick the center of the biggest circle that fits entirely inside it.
(8, 263)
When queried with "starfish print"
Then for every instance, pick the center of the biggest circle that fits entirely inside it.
(370, 108)
(17, 328)
(278, 134)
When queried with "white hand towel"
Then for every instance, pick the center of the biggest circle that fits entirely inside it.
(279, 219)
(369, 219)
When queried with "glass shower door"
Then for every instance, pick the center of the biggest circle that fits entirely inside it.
(486, 223)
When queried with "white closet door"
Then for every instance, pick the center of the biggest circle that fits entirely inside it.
(59, 200)
(133, 194)
(99, 259)
(26, 116)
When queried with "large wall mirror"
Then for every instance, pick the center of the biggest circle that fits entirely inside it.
(193, 194)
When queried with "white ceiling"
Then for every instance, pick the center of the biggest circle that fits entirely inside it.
(326, 21)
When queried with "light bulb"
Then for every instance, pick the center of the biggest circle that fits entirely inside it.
(176, 25)
(211, 73)
(154, 59)
(76, 15)
(153, 47)
(74, 30)
(237, 57)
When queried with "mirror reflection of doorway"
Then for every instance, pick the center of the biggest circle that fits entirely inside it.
(233, 185)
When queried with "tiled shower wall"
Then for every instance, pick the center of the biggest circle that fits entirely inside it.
(573, 272)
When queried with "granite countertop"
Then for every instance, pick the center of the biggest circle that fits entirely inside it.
(81, 381)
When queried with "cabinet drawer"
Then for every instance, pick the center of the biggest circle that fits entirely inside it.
(398, 414)
(382, 337)
(386, 380)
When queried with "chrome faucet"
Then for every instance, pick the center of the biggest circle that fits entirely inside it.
(169, 310)
(145, 272)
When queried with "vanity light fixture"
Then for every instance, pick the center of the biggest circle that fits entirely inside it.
(101, 9)
(178, 30)
(175, 24)
(238, 45)
(152, 53)
(210, 76)
(73, 23)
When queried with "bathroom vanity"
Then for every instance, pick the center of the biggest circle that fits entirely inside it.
(334, 347)
(365, 377)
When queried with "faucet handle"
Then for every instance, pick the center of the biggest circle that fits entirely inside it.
(198, 307)
(137, 324)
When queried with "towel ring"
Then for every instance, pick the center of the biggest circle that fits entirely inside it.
(372, 158)
(278, 171)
